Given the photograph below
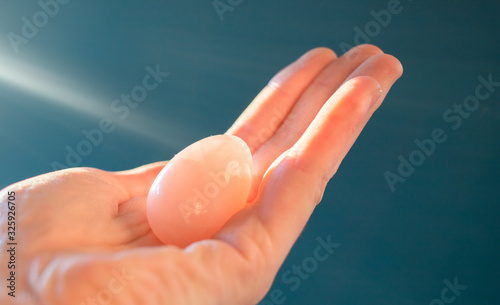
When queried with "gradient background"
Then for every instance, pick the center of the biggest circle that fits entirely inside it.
(396, 247)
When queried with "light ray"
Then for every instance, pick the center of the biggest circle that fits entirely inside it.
(59, 91)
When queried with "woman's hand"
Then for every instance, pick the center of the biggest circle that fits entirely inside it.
(83, 236)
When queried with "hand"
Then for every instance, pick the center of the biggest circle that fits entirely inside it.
(83, 235)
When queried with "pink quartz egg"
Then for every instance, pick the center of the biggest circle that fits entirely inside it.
(199, 190)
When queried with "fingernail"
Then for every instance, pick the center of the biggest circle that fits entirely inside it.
(375, 96)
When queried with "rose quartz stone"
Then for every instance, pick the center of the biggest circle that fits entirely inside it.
(199, 190)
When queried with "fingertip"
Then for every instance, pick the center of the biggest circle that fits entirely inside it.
(398, 66)
(363, 51)
(368, 84)
(323, 52)
(392, 67)
(363, 80)
(312, 61)
(365, 83)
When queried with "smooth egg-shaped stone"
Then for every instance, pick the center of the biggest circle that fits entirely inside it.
(199, 190)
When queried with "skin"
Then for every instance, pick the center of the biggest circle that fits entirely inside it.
(78, 228)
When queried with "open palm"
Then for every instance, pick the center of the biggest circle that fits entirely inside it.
(85, 235)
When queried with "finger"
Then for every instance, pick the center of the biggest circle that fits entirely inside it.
(138, 181)
(295, 182)
(386, 69)
(306, 108)
(267, 111)
(318, 151)
(315, 96)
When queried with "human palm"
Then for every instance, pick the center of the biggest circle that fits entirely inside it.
(85, 235)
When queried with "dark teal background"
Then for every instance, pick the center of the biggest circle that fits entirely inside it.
(396, 247)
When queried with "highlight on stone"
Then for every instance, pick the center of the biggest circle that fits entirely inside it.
(200, 189)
